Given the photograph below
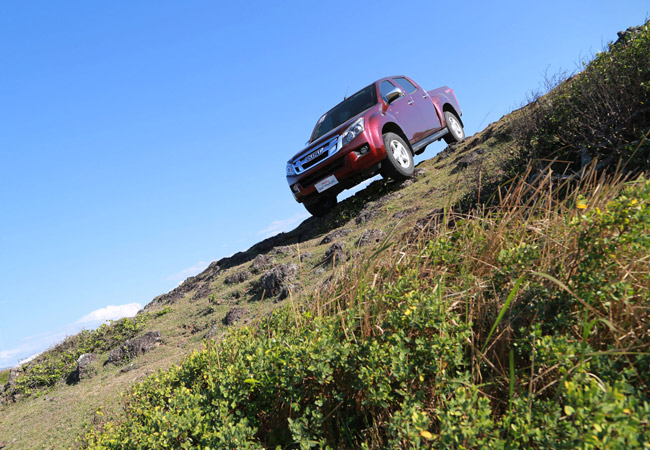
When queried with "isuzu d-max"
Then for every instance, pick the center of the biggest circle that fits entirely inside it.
(376, 130)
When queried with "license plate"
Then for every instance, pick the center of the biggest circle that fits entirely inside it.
(326, 183)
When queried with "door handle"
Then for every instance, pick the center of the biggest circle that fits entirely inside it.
(410, 102)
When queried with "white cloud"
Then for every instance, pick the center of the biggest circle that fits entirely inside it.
(31, 346)
(29, 358)
(189, 272)
(111, 312)
(278, 226)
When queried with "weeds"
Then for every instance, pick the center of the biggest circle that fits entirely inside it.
(602, 112)
(524, 326)
(520, 324)
(56, 364)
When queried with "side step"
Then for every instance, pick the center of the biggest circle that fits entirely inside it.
(420, 146)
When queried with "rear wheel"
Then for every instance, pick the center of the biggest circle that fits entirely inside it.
(399, 159)
(456, 132)
(321, 206)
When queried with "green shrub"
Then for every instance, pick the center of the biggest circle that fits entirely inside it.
(523, 327)
(409, 362)
(56, 364)
(602, 112)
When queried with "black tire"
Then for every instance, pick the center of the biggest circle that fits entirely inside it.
(455, 127)
(321, 206)
(399, 159)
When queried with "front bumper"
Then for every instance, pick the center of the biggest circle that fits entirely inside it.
(350, 165)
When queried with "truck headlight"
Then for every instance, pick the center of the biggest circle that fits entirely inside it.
(353, 131)
(290, 169)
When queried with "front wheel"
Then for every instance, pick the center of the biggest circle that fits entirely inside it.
(321, 206)
(399, 159)
(456, 132)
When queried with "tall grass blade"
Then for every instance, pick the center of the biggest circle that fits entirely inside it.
(502, 313)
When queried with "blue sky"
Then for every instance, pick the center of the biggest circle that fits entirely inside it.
(141, 140)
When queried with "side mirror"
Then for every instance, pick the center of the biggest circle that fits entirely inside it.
(393, 95)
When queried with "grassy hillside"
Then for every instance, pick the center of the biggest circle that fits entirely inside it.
(499, 300)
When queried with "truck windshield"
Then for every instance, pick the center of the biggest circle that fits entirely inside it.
(348, 108)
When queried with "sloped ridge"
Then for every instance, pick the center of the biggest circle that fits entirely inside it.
(364, 206)
(428, 218)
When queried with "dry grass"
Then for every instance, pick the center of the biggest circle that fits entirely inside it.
(540, 212)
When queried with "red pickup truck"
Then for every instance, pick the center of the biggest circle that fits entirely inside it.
(376, 130)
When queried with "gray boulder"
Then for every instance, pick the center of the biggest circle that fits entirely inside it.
(233, 316)
(370, 236)
(369, 212)
(275, 279)
(405, 212)
(283, 250)
(447, 152)
(85, 368)
(8, 391)
(624, 36)
(13, 374)
(238, 277)
(202, 291)
(212, 332)
(334, 235)
(129, 368)
(305, 256)
(134, 347)
(262, 262)
(287, 289)
(468, 160)
(390, 196)
(336, 253)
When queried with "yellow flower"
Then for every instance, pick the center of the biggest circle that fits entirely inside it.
(582, 206)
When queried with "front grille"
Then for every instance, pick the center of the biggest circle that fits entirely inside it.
(326, 170)
(328, 149)
(316, 160)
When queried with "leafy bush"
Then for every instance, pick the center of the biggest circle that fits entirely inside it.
(56, 364)
(450, 348)
(602, 112)
(521, 327)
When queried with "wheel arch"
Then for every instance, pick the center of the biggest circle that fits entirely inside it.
(451, 109)
(392, 127)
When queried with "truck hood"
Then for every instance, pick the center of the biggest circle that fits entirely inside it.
(327, 136)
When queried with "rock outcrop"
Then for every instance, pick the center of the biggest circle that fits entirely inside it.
(273, 281)
(335, 235)
(212, 332)
(368, 213)
(233, 316)
(262, 262)
(335, 253)
(238, 277)
(8, 390)
(134, 347)
(370, 236)
(85, 368)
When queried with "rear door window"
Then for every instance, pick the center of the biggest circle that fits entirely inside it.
(406, 85)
